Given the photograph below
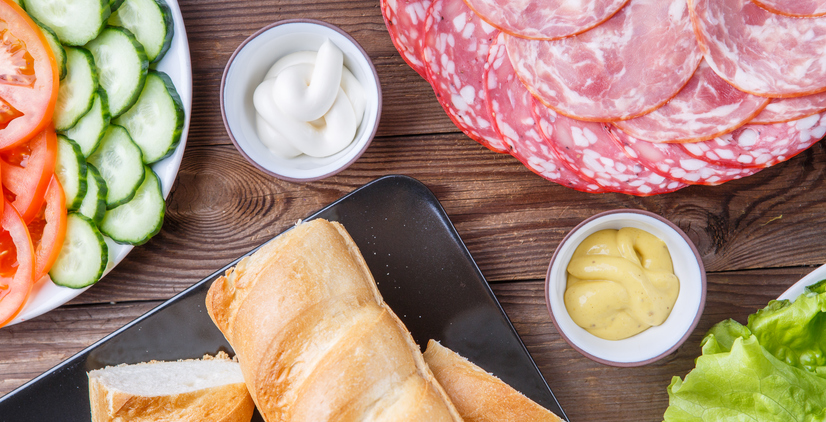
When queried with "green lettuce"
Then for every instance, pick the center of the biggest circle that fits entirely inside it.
(771, 370)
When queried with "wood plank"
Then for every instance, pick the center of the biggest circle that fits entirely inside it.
(586, 390)
(510, 219)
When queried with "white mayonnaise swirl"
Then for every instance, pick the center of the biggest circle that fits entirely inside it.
(309, 103)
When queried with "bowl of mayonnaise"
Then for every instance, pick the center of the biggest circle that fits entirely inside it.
(300, 99)
(626, 287)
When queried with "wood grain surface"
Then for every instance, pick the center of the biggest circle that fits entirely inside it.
(756, 236)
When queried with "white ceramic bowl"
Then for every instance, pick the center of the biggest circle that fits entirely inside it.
(246, 69)
(655, 342)
(798, 288)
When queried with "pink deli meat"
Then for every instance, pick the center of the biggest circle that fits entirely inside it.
(588, 149)
(625, 67)
(786, 109)
(511, 106)
(705, 108)
(405, 23)
(761, 145)
(674, 162)
(760, 52)
(455, 51)
(797, 8)
(545, 19)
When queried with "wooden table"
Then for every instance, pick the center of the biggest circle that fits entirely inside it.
(757, 235)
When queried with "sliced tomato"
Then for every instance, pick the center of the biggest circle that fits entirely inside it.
(28, 77)
(16, 264)
(48, 229)
(26, 171)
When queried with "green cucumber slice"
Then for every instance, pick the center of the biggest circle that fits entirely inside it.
(122, 67)
(84, 254)
(151, 23)
(94, 202)
(119, 162)
(75, 22)
(156, 121)
(57, 48)
(136, 221)
(89, 130)
(70, 169)
(77, 90)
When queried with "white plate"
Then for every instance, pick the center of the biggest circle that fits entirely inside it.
(797, 288)
(176, 63)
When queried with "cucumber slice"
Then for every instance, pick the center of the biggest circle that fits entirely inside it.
(75, 22)
(70, 168)
(151, 23)
(136, 221)
(119, 162)
(84, 254)
(57, 48)
(94, 202)
(155, 122)
(89, 130)
(77, 91)
(122, 66)
(115, 5)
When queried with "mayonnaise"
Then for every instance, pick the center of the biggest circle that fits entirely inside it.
(309, 103)
(620, 283)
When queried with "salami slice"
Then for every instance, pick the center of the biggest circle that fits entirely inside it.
(455, 52)
(545, 19)
(625, 67)
(782, 110)
(511, 106)
(796, 8)
(761, 145)
(761, 52)
(405, 23)
(705, 108)
(674, 162)
(588, 149)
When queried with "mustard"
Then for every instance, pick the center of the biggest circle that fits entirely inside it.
(620, 283)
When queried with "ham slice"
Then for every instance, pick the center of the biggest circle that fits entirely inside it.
(511, 106)
(796, 8)
(589, 150)
(761, 145)
(760, 52)
(782, 110)
(627, 66)
(405, 23)
(705, 108)
(674, 162)
(545, 19)
(455, 52)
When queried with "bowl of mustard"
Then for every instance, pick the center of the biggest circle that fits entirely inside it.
(625, 287)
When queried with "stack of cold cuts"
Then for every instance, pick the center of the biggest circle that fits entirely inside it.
(634, 96)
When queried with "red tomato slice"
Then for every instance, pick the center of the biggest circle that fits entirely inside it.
(48, 229)
(16, 264)
(28, 77)
(26, 171)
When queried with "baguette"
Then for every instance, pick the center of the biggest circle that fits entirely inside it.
(315, 340)
(210, 390)
(478, 395)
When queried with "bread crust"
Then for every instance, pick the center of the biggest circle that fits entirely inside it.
(478, 395)
(315, 340)
(224, 403)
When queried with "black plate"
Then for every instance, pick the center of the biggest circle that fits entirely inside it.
(422, 268)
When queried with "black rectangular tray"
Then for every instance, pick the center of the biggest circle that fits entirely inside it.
(421, 266)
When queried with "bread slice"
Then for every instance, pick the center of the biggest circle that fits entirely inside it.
(478, 395)
(208, 390)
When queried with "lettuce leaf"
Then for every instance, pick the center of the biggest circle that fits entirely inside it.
(774, 369)
(746, 383)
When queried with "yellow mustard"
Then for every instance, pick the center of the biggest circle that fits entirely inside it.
(620, 283)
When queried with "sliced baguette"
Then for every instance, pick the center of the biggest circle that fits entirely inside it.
(211, 389)
(478, 395)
